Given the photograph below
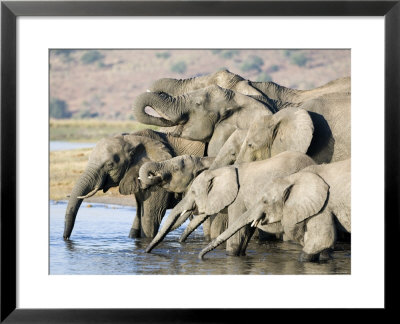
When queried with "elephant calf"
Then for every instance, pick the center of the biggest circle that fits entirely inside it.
(231, 188)
(176, 175)
(308, 206)
(115, 161)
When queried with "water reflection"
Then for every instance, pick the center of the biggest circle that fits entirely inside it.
(99, 245)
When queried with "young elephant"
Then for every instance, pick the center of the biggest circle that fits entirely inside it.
(308, 206)
(290, 129)
(115, 161)
(235, 188)
(176, 175)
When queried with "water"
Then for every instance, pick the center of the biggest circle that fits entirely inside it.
(100, 245)
(60, 146)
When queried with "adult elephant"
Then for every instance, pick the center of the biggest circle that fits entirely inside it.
(309, 206)
(229, 80)
(176, 175)
(235, 188)
(209, 115)
(115, 161)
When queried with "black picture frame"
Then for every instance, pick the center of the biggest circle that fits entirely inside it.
(10, 10)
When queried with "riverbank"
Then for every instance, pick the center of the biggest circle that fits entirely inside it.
(65, 169)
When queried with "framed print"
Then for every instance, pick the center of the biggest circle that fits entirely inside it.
(71, 60)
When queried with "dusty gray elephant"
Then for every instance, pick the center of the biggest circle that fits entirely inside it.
(176, 175)
(209, 115)
(290, 129)
(115, 161)
(218, 117)
(308, 206)
(229, 80)
(232, 187)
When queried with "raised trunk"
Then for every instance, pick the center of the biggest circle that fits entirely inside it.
(88, 181)
(177, 87)
(158, 109)
(149, 174)
(248, 217)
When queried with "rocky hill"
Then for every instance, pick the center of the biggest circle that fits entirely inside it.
(103, 83)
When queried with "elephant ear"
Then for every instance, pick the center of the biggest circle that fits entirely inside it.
(215, 190)
(303, 197)
(129, 184)
(292, 131)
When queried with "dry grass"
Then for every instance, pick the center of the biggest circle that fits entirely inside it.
(65, 169)
(90, 130)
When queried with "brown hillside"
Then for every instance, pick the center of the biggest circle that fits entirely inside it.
(103, 83)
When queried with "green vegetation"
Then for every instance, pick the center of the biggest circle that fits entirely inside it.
(163, 55)
(179, 67)
(91, 56)
(58, 109)
(91, 130)
(298, 59)
(264, 77)
(253, 62)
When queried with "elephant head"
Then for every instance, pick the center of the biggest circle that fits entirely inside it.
(115, 161)
(210, 193)
(195, 114)
(174, 175)
(223, 78)
(228, 154)
(290, 129)
(290, 201)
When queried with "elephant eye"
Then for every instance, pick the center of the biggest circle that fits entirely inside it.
(250, 145)
(116, 158)
(233, 153)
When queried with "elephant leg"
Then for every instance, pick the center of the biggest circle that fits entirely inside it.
(154, 206)
(219, 223)
(135, 229)
(320, 235)
(207, 229)
(236, 245)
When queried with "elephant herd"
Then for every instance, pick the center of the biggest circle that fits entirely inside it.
(236, 156)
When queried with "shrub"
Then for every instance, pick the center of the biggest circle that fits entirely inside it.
(252, 63)
(179, 67)
(299, 59)
(58, 109)
(91, 56)
(163, 55)
(228, 54)
(264, 77)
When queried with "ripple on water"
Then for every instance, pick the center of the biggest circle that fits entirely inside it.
(100, 245)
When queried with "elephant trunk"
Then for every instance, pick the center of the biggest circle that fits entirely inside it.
(251, 215)
(172, 218)
(159, 109)
(177, 87)
(149, 174)
(194, 223)
(89, 182)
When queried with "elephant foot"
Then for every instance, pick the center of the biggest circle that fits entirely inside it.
(305, 257)
(325, 255)
(134, 233)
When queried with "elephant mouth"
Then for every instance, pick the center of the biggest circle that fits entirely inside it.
(152, 112)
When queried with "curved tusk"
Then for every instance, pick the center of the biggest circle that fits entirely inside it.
(148, 90)
(183, 212)
(90, 194)
(255, 223)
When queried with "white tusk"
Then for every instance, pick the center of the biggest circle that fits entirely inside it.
(255, 223)
(184, 212)
(139, 178)
(148, 90)
(90, 194)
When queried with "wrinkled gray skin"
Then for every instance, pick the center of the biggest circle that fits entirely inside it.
(234, 188)
(290, 129)
(229, 80)
(209, 115)
(176, 175)
(308, 206)
(115, 161)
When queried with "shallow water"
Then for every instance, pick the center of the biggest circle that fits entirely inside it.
(60, 145)
(100, 245)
